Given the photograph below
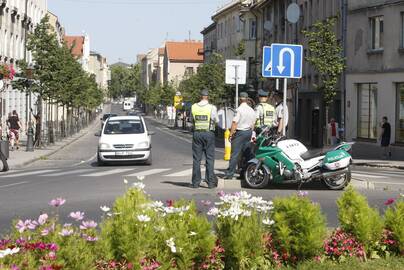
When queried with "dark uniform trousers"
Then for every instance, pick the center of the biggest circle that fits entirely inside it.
(239, 145)
(203, 142)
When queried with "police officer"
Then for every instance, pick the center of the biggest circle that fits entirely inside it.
(264, 111)
(204, 116)
(280, 119)
(241, 132)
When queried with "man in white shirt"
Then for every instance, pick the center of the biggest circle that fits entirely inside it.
(241, 132)
(279, 117)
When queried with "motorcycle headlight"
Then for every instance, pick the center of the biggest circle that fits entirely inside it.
(144, 144)
(104, 146)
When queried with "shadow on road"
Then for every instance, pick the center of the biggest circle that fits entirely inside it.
(120, 164)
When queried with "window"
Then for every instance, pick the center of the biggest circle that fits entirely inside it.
(367, 110)
(238, 24)
(402, 30)
(189, 71)
(253, 28)
(400, 113)
(251, 67)
(376, 32)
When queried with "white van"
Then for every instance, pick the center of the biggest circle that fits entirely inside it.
(127, 105)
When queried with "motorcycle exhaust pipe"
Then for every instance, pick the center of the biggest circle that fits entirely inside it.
(334, 173)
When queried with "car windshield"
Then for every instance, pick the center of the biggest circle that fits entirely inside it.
(124, 127)
(106, 116)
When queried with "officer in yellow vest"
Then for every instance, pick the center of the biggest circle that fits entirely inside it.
(264, 111)
(204, 117)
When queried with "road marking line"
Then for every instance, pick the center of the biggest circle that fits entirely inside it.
(69, 172)
(12, 185)
(368, 176)
(105, 173)
(388, 183)
(28, 173)
(393, 174)
(187, 172)
(148, 172)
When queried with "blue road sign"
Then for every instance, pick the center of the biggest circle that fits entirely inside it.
(266, 62)
(287, 61)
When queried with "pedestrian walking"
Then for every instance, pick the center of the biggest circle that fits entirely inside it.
(14, 124)
(204, 116)
(333, 132)
(240, 134)
(265, 112)
(279, 116)
(385, 138)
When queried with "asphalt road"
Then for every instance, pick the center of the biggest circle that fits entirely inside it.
(73, 174)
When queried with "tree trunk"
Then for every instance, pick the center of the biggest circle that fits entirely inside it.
(325, 136)
(50, 128)
(38, 124)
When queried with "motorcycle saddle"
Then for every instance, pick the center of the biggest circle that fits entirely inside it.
(316, 152)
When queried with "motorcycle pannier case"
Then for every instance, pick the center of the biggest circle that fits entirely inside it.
(336, 160)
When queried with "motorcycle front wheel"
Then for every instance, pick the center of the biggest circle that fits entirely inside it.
(256, 179)
(338, 182)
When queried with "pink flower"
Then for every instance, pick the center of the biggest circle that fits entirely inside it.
(52, 255)
(57, 202)
(221, 193)
(77, 216)
(206, 203)
(389, 201)
(14, 267)
(42, 219)
(88, 225)
(66, 232)
(302, 193)
(45, 231)
(21, 226)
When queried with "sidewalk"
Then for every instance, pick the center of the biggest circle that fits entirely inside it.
(20, 158)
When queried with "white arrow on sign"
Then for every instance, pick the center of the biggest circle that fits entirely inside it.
(281, 67)
(269, 66)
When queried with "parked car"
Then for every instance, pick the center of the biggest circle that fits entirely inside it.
(124, 138)
(105, 117)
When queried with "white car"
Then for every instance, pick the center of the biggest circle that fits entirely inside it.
(124, 138)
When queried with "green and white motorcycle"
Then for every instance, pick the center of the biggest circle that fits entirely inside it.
(280, 160)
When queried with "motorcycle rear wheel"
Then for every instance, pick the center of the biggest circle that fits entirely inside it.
(258, 180)
(338, 182)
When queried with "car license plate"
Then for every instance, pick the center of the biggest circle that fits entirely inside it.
(124, 153)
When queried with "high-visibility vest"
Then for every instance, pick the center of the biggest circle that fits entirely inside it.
(268, 116)
(202, 117)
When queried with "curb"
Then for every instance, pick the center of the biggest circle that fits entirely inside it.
(378, 165)
(72, 140)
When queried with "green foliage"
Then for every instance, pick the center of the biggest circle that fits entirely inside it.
(325, 54)
(174, 234)
(126, 82)
(240, 49)
(210, 76)
(299, 228)
(358, 218)
(394, 220)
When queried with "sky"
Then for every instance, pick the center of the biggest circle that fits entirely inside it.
(121, 29)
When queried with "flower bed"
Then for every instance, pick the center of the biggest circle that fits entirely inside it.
(247, 232)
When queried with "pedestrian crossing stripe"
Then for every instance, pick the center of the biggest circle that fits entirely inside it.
(69, 172)
(27, 173)
(181, 173)
(148, 172)
(109, 172)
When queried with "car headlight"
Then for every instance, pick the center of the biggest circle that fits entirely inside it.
(104, 146)
(143, 144)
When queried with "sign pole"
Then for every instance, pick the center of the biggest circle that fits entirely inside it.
(236, 79)
(285, 92)
(277, 84)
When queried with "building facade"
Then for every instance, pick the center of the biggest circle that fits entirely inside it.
(149, 64)
(209, 41)
(181, 59)
(80, 46)
(375, 72)
(17, 19)
(57, 27)
(98, 66)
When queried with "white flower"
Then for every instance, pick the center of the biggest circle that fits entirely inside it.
(192, 233)
(6, 252)
(109, 214)
(105, 208)
(268, 222)
(213, 211)
(140, 177)
(138, 185)
(125, 181)
(143, 218)
(171, 244)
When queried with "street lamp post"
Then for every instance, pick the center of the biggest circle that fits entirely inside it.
(30, 132)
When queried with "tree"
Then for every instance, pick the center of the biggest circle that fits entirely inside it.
(326, 57)
(210, 76)
(125, 82)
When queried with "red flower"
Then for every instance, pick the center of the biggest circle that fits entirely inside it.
(389, 201)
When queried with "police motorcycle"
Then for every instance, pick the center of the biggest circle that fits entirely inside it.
(281, 160)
